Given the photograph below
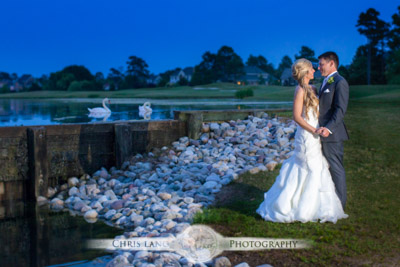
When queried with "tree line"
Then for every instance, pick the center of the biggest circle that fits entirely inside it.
(377, 62)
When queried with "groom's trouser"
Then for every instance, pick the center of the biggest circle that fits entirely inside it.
(333, 152)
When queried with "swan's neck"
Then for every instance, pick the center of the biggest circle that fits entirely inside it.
(104, 105)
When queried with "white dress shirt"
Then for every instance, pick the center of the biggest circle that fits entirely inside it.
(327, 78)
(323, 84)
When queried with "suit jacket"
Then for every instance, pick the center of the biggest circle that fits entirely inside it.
(333, 100)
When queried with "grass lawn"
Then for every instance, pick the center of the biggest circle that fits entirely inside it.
(370, 236)
(216, 91)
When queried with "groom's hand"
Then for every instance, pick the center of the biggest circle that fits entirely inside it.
(324, 132)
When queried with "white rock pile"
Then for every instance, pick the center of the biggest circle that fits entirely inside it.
(159, 195)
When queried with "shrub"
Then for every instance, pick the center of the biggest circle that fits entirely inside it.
(244, 93)
(394, 80)
(4, 89)
(83, 86)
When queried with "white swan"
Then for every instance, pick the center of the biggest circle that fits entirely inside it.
(100, 111)
(145, 111)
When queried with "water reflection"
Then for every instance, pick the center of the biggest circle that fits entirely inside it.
(18, 112)
(35, 236)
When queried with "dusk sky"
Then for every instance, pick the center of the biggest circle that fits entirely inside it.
(43, 36)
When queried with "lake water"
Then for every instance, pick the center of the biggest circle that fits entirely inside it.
(36, 236)
(28, 112)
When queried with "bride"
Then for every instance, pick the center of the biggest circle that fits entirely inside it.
(304, 190)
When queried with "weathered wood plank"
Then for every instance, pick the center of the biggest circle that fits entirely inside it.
(123, 143)
(38, 162)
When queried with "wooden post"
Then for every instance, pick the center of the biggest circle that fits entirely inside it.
(38, 163)
(123, 143)
(194, 124)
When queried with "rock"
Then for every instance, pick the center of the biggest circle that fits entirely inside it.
(110, 194)
(90, 214)
(283, 141)
(85, 209)
(204, 138)
(57, 201)
(271, 165)
(205, 128)
(169, 225)
(214, 126)
(243, 264)
(57, 204)
(264, 265)
(78, 205)
(118, 204)
(188, 200)
(136, 219)
(213, 177)
(109, 214)
(148, 221)
(96, 205)
(288, 130)
(222, 262)
(91, 189)
(51, 192)
(41, 200)
(73, 181)
(241, 128)
(116, 216)
(194, 142)
(64, 187)
(171, 215)
(121, 220)
(254, 170)
(210, 184)
(118, 261)
(104, 174)
(142, 254)
(73, 191)
(263, 143)
(164, 195)
(103, 199)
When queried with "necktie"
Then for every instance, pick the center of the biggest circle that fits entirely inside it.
(323, 84)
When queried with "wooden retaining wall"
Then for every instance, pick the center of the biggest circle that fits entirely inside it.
(33, 158)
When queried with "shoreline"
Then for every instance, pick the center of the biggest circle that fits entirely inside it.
(162, 102)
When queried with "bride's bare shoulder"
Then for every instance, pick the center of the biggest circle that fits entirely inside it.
(298, 90)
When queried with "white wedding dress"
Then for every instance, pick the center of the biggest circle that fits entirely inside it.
(304, 190)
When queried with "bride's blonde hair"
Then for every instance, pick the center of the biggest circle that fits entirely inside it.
(300, 69)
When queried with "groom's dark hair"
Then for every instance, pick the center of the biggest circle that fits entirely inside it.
(330, 56)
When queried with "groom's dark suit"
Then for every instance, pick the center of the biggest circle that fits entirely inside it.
(333, 100)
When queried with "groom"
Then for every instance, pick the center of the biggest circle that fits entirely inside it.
(333, 99)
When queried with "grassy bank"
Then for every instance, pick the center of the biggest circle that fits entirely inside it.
(212, 91)
(370, 236)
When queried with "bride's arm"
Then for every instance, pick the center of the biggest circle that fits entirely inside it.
(298, 109)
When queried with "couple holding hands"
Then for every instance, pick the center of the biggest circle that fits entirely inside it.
(311, 185)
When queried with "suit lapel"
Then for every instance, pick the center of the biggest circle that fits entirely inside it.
(327, 84)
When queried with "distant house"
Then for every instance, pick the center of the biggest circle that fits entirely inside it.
(254, 75)
(106, 87)
(286, 78)
(26, 80)
(186, 73)
(153, 79)
(16, 87)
